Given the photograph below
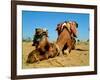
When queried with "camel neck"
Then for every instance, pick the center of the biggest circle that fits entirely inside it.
(63, 38)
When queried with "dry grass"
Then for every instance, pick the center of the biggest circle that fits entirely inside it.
(77, 57)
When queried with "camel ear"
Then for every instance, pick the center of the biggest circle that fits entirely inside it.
(76, 24)
(57, 27)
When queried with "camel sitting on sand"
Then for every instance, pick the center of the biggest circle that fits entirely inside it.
(69, 36)
(65, 42)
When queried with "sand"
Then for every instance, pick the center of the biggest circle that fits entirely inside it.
(77, 57)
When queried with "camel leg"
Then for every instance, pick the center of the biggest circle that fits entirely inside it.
(73, 43)
(69, 47)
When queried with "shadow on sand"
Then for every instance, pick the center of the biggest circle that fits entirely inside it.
(81, 49)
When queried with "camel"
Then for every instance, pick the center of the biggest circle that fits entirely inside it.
(64, 43)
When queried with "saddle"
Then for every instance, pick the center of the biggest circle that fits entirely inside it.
(71, 27)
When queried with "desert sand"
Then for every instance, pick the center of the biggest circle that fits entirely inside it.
(77, 57)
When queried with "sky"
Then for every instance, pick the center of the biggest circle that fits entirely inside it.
(49, 20)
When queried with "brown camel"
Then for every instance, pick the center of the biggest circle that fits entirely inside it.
(45, 49)
(71, 28)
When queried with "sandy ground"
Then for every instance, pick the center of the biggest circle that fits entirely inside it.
(77, 57)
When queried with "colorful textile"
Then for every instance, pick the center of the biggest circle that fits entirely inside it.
(72, 27)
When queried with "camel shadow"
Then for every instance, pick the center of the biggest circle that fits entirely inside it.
(81, 49)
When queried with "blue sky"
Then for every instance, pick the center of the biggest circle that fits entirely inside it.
(49, 20)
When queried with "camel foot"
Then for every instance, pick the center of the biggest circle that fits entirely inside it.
(66, 52)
